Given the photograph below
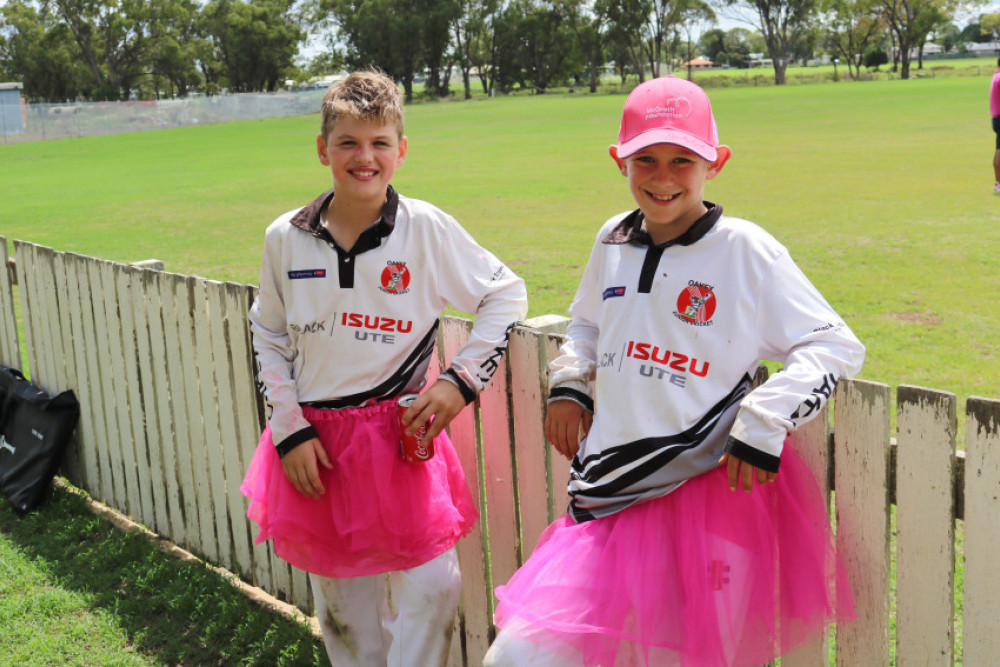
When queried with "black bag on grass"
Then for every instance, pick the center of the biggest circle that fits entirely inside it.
(35, 429)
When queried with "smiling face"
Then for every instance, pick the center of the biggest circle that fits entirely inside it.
(667, 182)
(363, 156)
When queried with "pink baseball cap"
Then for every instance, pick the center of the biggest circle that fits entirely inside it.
(668, 110)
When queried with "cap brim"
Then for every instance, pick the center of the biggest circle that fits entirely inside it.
(675, 137)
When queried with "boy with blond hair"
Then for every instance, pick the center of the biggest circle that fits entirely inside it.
(352, 287)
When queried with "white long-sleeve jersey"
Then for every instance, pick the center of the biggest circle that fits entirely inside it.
(672, 336)
(338, 328)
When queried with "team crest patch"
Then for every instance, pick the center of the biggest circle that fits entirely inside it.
(395, 278)
(696, 304)
(307, 273)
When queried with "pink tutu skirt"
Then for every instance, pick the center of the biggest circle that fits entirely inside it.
(703, 576)
(378, 513)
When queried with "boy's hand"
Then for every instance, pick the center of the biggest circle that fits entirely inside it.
(438, 405)
(564, 420)
(742, 473)
(301, 469)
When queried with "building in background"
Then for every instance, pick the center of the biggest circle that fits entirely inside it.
(12, 111)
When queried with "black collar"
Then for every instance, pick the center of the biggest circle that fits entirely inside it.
(630, 230)
(308, 220)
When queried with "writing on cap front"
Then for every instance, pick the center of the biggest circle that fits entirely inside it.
(668, 110)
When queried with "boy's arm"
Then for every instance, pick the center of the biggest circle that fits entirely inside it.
(798, 327)
(474, 281)
(571, 403)
(274, 353)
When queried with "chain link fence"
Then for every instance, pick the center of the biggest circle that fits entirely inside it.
(40, 122)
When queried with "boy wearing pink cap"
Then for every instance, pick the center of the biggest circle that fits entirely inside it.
(657, 561)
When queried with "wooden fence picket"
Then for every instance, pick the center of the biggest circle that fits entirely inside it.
(237, 418)
(31, 309)
(981, 627)
(476, 593)
(99, 408)
(925, 526)
(65, 294)
(175, 302)
(811, 441)
(531, 453)
(145, 298)
(87, 470)
(134, 455)
(108, 328)
(10, 342)
(498, 471)
(861, 446)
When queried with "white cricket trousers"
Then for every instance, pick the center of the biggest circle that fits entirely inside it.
(510, 651)
(405, 622)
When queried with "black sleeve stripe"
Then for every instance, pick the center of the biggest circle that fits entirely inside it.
(296, 439)
(574, 395)
(751, 455)
(468, 394)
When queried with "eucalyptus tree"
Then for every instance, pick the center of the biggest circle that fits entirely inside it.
(910, 21)
(534, 46)
(400, 37)
(668, 19)
(624, 35)
(113, 39)
(852, 27)
(176, 46)
(589, 24)
(782, 23)
(472, 47)
(256, 41)
(37, 49)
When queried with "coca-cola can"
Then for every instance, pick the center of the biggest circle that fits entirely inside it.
(412, 447)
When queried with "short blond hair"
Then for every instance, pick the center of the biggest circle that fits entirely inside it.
(366, 95)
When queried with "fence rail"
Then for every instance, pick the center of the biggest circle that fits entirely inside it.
(162, 366)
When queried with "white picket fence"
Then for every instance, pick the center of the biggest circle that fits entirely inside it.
(162, 366)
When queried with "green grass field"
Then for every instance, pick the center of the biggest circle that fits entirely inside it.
(881, 190)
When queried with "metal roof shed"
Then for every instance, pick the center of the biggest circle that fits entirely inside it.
(11, 110)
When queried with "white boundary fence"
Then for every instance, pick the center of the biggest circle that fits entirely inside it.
(89, 119)
(162, 366)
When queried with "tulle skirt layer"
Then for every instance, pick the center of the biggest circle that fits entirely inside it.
(378, 514)
(703, 576)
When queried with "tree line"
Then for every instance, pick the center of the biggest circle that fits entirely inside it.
(65, 50)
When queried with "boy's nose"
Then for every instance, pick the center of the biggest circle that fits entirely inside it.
(664, 173)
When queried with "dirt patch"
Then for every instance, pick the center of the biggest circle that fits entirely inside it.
(917, 318)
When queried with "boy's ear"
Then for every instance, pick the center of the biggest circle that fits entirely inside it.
(321, 150)
(723, 155)
(403, 144)
(613, 152)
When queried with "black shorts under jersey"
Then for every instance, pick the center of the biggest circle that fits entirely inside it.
(996, 130)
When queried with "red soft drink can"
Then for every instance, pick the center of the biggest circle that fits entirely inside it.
(412, 447)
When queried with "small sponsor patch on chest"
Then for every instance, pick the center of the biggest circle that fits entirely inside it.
(302, 274)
